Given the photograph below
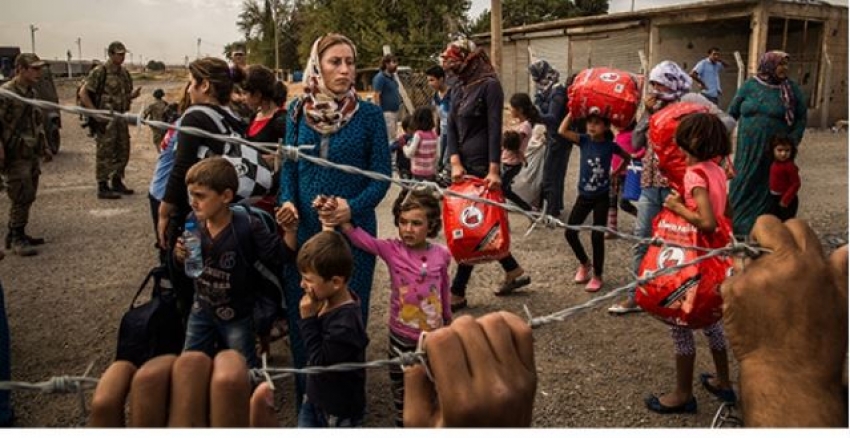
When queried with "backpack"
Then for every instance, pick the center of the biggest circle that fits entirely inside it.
(269, 303)
(255, 175)
(153, 328)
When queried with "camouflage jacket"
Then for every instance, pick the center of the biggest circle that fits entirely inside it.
(21, 125)
(155, 111)
(116, 85)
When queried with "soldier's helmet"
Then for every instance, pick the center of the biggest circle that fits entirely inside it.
(117, 47)
(26, 60)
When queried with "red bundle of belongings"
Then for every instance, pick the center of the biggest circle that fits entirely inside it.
(475, 232)
(662, 137)
(610, 93)
(688, 297)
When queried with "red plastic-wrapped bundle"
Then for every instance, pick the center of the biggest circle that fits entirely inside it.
(688, 297)
(613, 94)
(475, 232)
(662, 136)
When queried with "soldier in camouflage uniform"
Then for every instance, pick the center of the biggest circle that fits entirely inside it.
(156, 111)
(110, 87)
(24, 144)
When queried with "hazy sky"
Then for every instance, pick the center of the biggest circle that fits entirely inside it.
(152, 29)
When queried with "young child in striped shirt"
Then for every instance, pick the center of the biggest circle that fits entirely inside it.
(422, 149)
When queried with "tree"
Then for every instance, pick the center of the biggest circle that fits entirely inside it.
(524, 12)
(258, 21)
(416, 30)
(155, 65)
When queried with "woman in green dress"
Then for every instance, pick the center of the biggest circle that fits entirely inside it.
(767, 105)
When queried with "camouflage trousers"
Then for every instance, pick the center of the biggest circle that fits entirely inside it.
(21, 185)
(113, 150)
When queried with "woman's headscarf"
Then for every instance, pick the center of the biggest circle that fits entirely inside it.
(543, 75)
(474, 62)
(324, 111)
(670, 75)
(767, 75)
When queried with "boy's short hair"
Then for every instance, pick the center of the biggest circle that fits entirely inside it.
(407, 123)
(158, 93)
(328, 255)
(215, 173)
(419, 198)
(511, 141)
(436, 71)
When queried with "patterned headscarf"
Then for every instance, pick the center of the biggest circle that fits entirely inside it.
(767, 76)
(324, 111)
(670, 75)
(473, 64)
(543, 75)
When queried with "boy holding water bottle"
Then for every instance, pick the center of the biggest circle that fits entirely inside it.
(222, 311)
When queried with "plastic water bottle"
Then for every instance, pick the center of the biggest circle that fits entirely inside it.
(194, 263)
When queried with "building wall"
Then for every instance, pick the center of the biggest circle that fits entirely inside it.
(836, 91)
(683, 35)
(687, 44)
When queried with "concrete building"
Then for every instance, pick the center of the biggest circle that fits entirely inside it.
(812, 32)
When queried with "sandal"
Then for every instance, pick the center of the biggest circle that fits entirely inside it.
(458, 303)
(508, 287)
(653, 403)
(725, 395)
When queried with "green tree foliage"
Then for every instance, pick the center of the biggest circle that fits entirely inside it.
(415, 30)
(258, 21)
(155, 65)
(523, 12)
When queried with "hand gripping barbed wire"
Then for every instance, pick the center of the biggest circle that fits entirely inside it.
(71, 384)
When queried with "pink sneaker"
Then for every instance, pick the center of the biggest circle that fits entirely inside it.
(594, 285)
(583, 273)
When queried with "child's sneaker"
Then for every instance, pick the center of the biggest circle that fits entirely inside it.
(583, 273)
(594, 285)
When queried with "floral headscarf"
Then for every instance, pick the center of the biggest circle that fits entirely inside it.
(543, 75)
(670, 75)
(767, 76)
(471, 64)
(324, 111)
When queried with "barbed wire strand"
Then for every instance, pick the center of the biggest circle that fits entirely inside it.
(295, 153)
(73, 384)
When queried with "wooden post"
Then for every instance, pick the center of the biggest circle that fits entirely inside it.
(825, 88)
(496, 35)
(758, 37)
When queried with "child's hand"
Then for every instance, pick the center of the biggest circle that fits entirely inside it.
(309, 305)
(180, 250)
(287, 218)
(674, 200)
(286, 212)
(783, 204)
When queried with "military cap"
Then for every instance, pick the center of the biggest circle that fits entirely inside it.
(25, 60)
(117, 47)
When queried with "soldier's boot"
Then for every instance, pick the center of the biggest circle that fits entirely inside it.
(119, 187)
(19, 244)
(33, 241)
(104, 192)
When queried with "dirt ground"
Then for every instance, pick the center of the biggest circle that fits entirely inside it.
(64, 305)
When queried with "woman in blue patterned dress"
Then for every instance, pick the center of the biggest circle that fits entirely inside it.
(344, 130)
(767, 105)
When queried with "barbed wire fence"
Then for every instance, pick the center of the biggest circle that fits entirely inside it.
(80, 384)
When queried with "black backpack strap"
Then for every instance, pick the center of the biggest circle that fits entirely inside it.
(241, 224)
(155, 272)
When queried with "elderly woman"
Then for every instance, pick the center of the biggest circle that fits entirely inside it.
(474, 143)
(551, 100)
(670, 84)
(766, 106)
(345, 130)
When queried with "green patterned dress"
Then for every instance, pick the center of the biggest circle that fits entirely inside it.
(760, 112)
